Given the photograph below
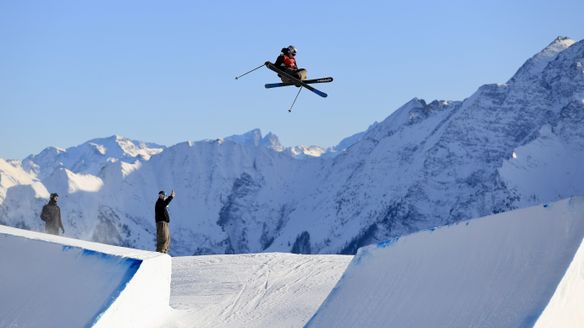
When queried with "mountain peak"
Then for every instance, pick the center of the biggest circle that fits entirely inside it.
(559, 44)
(91, 156)
(120, 146)
(272, 141)
(563, 39)
(252, 137)
(110, 139)
(536, 64)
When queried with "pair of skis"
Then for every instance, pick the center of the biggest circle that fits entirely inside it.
(311, 81)
(297, 82)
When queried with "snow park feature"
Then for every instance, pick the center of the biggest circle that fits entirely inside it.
(516, 269)
(52, 281)
(264, 290)
(522, 268)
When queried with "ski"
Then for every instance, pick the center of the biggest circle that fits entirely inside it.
(296, 80)
(311, 81)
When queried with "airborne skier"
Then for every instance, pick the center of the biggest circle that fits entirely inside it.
(288, 71)
(286, 61)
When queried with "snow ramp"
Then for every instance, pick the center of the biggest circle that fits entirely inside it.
(523, 268)
(52, 281)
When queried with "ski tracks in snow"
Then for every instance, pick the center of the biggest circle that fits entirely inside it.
(252, 290)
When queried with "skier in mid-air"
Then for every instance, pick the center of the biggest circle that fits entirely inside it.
(286, 61)
(288, 71)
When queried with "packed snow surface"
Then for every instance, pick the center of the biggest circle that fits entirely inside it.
(50, 281)
(252, 290)
(522, 268)
(517, 269)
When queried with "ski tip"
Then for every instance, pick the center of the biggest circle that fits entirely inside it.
(320, 93)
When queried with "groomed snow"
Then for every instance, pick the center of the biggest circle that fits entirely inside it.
(517, 269)
(52, 281)
(252, 290)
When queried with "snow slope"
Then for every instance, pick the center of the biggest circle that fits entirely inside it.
(251, 290)
(517, 269)
(51, 281)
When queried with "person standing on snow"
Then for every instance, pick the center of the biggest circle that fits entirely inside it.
(162, 220)
(286, 61)
(51, 214)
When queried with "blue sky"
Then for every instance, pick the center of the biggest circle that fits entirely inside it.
(163, 71)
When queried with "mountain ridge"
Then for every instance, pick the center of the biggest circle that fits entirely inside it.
(426, 164)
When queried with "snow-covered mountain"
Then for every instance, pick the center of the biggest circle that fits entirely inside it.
(507, 146)
(271, 141)
(90, 157)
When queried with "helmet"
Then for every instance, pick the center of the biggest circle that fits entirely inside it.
(292, 50)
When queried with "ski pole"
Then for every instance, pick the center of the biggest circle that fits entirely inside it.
(290, 110)
(237, 77)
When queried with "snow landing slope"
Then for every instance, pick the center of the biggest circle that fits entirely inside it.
(517, 269)
(50, 281)
(251, 290)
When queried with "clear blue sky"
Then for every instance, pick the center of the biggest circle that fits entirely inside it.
(163, 71)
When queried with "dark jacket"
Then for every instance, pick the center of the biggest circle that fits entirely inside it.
(280, 60)
(286, 62)
(51, 214)
(161, 213)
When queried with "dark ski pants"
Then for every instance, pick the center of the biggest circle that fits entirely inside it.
(162, 237)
